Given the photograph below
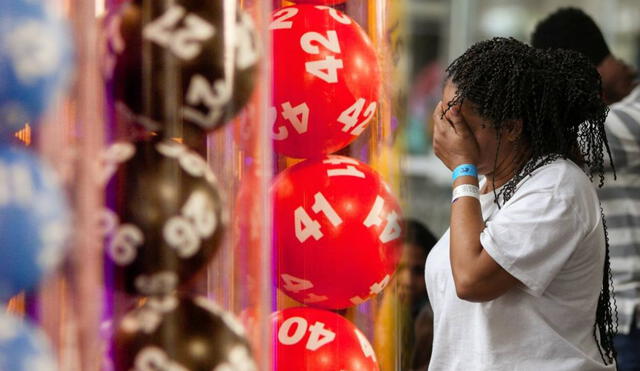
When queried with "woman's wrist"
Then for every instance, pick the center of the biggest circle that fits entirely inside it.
(465, 171)
(465, 190)
(465, 182)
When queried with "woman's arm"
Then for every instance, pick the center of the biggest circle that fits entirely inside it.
(476, 275)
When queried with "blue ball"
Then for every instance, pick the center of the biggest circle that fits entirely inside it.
(36, 59)
(23, 347)
(34, 221)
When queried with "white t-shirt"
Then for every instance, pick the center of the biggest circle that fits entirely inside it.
(550, 237)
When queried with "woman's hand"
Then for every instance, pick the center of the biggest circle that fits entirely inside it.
(453, 141)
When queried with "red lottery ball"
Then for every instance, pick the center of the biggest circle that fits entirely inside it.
(337, 237)
(326, 80)
(319, 340)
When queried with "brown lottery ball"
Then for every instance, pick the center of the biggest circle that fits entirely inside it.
(165, 218)
(181, 334)
(181, 63)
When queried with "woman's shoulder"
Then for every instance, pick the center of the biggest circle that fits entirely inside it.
(562, 178)
(560, 187)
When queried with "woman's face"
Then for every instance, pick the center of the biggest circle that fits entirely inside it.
(485, 135)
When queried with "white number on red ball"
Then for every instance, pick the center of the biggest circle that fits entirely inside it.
(325, 69)
(365, 345)
(298, 116)
(282, 17)
(342, 18)
(349, 117)
(330, 42)
(392, 229)
(306, 227)
(318, 334)
(295, 284)
(349, 170)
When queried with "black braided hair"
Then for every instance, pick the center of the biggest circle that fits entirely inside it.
(557, 96)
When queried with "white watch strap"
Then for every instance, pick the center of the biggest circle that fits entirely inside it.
(465, 190)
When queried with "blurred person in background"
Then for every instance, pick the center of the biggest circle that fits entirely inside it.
(406, 305)
(418, 241)
(412, 291)
(571, 28)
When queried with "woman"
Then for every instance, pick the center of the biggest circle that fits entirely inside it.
(521, 279)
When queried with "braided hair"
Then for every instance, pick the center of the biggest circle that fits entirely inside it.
(556, 94)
